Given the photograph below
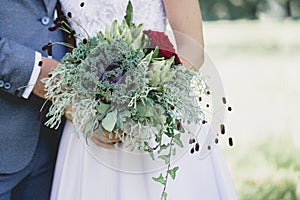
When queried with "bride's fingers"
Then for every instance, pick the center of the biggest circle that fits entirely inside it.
(67, 113)
(110, 137)
(100, 143)
(106, 139)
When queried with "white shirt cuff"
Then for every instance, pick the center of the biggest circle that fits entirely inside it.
(34, 76)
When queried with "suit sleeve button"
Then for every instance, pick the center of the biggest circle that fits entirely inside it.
(1, 83)
(45, 20)
(7, 85)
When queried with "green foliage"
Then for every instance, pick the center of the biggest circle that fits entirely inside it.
(249, 9)
(114, 82)
(172, 172)
(160, 179)
(110, 120)
(129, 11)
(284, 189)
(272, 170)
(164, 195)
(177, 140)
(166, 158)
(229, 9)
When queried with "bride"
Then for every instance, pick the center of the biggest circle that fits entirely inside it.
(120, 174)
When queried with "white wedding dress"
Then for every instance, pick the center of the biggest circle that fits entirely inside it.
(120, 174)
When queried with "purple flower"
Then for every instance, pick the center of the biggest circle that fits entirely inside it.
(116, 79)
(112, 79)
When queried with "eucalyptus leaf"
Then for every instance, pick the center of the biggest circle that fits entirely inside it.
(145, 110)
(109, 121)
(102, 107)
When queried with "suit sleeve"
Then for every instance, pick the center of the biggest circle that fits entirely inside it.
(16, 66)
(34, 76)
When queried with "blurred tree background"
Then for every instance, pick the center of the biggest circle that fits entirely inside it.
(255, 46)
(249, 9)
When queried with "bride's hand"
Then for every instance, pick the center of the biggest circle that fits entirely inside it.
(67, 113)
(105, 140)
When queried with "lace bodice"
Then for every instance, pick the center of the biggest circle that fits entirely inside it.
(96, 14)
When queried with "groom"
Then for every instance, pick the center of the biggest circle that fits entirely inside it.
(27, 148)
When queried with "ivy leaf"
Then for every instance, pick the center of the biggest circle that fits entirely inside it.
(152, 155)
(177, 140)
(160, 179)
(168, 120)
(166, 158)
(158, 137)
(173, 152)
(172, 172)
(163, 147)
(109, 121)
(164, 195)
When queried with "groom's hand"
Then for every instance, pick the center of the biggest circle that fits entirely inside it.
(48, 65)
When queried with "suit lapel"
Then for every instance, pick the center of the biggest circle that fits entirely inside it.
(50, 5)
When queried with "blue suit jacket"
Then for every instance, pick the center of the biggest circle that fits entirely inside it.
(23, 30)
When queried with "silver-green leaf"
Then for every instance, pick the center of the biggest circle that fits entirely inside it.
(109, 121)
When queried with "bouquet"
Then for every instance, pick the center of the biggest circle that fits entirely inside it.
(129, 81)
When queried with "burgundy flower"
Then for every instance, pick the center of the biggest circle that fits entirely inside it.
(166, 48)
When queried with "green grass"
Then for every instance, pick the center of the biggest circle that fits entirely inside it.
(266, 170)
(258, 62)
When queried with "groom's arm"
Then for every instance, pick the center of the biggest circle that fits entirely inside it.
(47, 66)
(18, 68)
